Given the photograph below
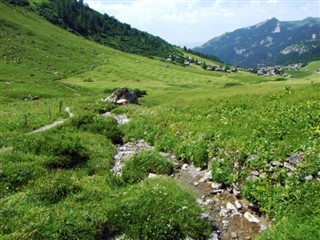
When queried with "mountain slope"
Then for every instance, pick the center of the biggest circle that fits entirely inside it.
(102, 28)
(270, 42)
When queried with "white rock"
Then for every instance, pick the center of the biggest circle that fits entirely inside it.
(207, 217)
(251, 218)
(231, 207)
(276, 163)
(214, 236)
(308, 178)
(233, 235)
(207, 202)
(289, 166)
(225, 222)
(237, 204)
(223, 213)
(236, 192)
(216, 185)
(208, 175)
(195, 183)
(184, 166)
(152, 175)
(263, 228)
(255, 173)
(217, 191)
(202, 180)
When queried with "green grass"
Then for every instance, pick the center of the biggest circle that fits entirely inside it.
(58, 184)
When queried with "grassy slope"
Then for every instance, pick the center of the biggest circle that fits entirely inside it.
(35, 52)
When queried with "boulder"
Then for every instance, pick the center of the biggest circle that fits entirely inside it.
(123, 95)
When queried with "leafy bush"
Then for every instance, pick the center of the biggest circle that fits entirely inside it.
(139, 166)
(301, 218)
(155, 209)
(139, 92)
(64, 149)
(55, 186)
(14, 175)
(192, 151)
(106, 126)
(222, 172)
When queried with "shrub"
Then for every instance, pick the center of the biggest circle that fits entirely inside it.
(222, 172)
(55, 186)
(301, 218)
(106, 126)
(155, 209)
(193, 151)
(64, 149)
(139, 92)
(139, 166)
(15, 175)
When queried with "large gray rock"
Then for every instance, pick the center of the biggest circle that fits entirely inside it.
(123, 93)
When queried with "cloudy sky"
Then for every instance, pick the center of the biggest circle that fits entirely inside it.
(193, 22)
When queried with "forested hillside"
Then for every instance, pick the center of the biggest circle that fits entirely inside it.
(79, 18)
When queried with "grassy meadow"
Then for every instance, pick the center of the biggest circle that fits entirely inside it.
(57, 184)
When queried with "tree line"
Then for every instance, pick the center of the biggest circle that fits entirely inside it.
(79, 18)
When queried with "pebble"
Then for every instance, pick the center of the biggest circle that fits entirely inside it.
(276, 163)
(208, 175)
(251, 218)
(238, 204)
(233, 235)
(231, 207)
(217, 191)
(205, 216)
(255, 173)
(289, 166)
(184, 166)
(202, 180)
(308, 178)
(152, 175)
(225, 223)
(263, 228)
(216, 185)
(223, 212)
(236, 192)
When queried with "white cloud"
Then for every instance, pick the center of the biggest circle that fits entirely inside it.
(188, 21)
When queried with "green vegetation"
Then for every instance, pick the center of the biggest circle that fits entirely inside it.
(139, 167)
(58, 184)
(79, 18)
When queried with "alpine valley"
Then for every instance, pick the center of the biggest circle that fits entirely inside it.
(269, 42)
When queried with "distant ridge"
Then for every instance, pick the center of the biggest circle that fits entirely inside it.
(269, 42)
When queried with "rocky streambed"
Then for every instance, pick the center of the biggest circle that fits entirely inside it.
(231, 216)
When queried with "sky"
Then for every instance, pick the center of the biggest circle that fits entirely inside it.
(193, 22)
